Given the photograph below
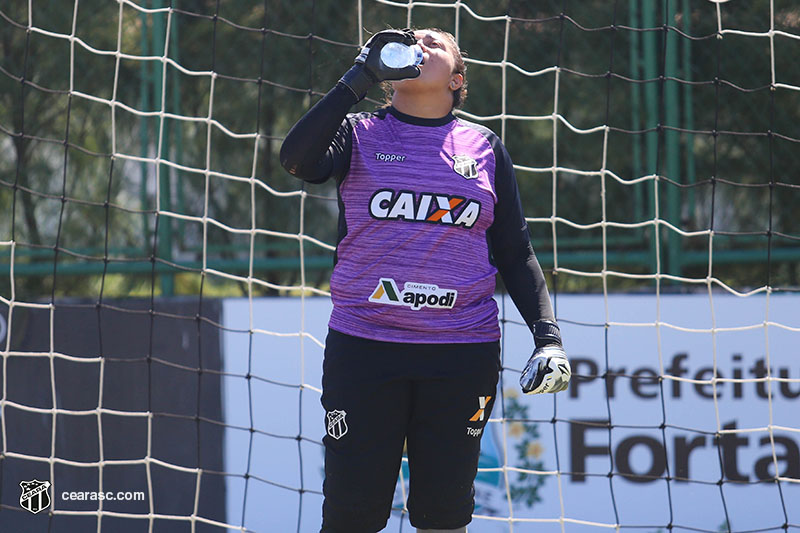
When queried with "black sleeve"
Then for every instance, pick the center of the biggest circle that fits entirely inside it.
(510, 245)
(319, 145)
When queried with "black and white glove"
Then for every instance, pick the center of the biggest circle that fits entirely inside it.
(548, 369)
(369, 69)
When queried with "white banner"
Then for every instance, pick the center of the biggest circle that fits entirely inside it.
(684, 423)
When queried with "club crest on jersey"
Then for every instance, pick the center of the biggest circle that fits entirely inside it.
(428, 207)
(465, 166)
(414, 295)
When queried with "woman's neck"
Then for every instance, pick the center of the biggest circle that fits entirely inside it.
(422, 105)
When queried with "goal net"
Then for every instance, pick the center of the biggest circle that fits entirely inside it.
(164, 283)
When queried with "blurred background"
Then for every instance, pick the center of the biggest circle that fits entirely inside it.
(713, 116)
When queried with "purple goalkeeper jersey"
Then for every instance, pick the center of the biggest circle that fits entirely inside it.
(417, 200)
(427, 209)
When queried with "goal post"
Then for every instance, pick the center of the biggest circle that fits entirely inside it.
(165, 283)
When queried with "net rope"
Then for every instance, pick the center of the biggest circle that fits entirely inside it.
(207, 269)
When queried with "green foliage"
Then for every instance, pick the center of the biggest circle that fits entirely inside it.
(275, 59)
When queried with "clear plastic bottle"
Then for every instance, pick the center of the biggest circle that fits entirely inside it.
(398, 55)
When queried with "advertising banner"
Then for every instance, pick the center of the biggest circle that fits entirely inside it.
(683, 412)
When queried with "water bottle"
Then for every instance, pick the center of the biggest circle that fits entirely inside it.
(398, 55)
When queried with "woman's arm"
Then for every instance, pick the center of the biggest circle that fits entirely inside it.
(548, 369)
(511, 247)
(319, 145)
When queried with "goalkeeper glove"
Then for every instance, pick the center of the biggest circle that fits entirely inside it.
(369, 69)
(548, 369)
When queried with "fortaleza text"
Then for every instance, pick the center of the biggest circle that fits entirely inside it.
(642, 458)
(738, 380)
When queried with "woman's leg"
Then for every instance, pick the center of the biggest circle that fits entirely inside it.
(366, 400)
(453, 395)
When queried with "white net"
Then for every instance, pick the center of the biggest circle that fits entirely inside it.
(655, 147)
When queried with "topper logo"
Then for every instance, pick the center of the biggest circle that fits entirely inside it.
(479, 414)
(389, 158)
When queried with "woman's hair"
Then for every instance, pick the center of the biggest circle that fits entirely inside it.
(460, 94)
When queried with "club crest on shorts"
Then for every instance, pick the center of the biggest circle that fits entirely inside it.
(337, 427)
(34, 497)
(465, 166)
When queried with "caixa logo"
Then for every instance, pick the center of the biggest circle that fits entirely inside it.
(428, 207)
(414, 295)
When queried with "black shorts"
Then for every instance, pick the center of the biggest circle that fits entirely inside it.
(377, 395)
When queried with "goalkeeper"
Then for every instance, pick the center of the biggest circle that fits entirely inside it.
(429, 212)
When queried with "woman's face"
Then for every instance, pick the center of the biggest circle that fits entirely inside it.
(438, 66)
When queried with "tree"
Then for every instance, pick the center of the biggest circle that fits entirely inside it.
(273, 60)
